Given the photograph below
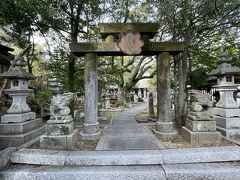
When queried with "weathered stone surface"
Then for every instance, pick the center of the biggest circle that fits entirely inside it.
(84, 173)
(201, 126)
(227, 122)
(90, 126)
(198, 138)
(200, 155)
(98, 158)
(59, 106)
(60, 142)
(226, 112)
(39, 157)
(164, 126)
(16, 140)
(5, 156)
(213, 171)
(106, 48)
(228, 132)
(18, 128)
(18, 118)
(114, 29)
(130, 43)
(151, 106)
(66, 120)
(60, 129)
(165, 136)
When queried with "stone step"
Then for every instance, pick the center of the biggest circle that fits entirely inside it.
(213, 171)
(82, 173)
(134, 157)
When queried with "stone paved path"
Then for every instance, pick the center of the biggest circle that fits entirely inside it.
(126, 134)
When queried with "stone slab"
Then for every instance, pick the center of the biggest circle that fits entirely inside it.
(213, 171)
(228, 132)
(116, 28)
(133, 157)
(111, 48)
(59, 142)
(227, 122)
(5, 156)
(60, 129)
(201, 126)
(16, 140)
(98, 158)
(18, 118)
(200, 155)
(200, 138)
(39, 157)
(20, 128)
(84, 173)
(226, 112)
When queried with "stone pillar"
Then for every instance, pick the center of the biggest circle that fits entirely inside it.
(164, 126)
(139, 93)
(91, 129)
(151, 106)
(107, 101)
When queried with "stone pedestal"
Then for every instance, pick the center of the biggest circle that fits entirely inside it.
(91, 129)
(164, 126)
(60, 134)
(200, 127)
(201, 132)
(16, 134)
(18, 118)
(228, 121)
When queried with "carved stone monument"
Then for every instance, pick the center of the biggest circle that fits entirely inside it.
(227, 112)
(130, 42)
(20, 124)
(60, 127)
(200, 126)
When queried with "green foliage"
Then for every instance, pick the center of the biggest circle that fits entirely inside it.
(43, 96)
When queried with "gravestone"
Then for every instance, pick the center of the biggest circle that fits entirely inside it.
(60, 127)
(200, 127)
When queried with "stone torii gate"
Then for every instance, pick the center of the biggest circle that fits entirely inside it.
(123, 39)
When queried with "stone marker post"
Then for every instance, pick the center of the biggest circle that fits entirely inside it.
(91, 129)
(164, 126)
(151, 106)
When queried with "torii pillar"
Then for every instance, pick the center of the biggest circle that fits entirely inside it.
(134, 40)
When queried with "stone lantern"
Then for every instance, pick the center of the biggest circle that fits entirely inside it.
(227, 112)
(19, 110)
(20, 124)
